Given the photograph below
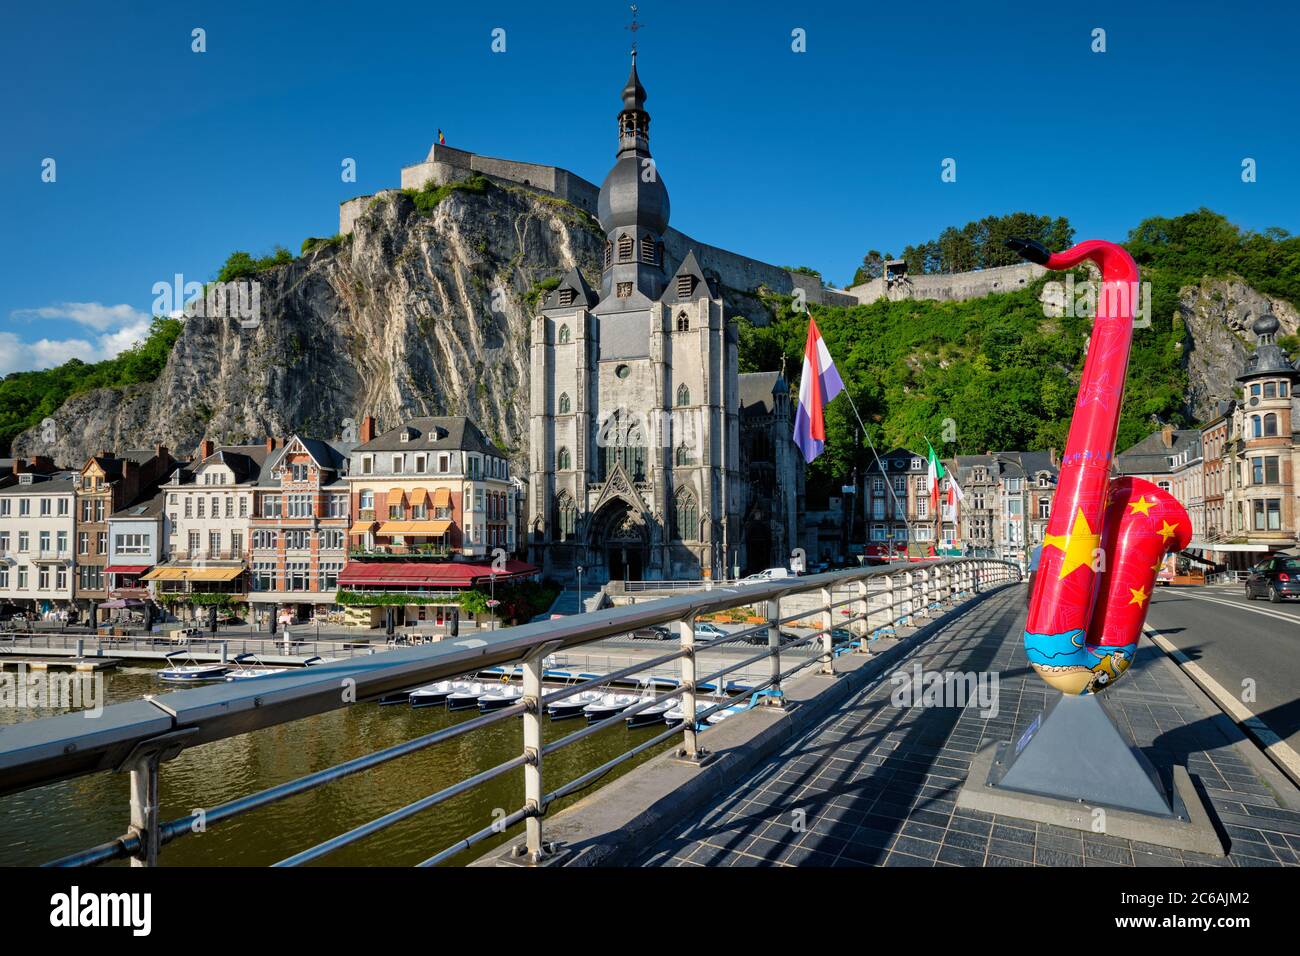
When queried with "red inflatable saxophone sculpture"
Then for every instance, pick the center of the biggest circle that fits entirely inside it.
(1106, 536)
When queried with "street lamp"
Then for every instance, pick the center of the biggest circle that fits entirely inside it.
(580, 589)
(492, 601)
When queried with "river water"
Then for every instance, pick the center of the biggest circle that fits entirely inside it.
(43, 824)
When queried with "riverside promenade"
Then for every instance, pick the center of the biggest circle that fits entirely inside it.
(873, 784)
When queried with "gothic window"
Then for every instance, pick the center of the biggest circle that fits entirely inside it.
(609, 254)
(621, 442)
(1270, 425)
(624, 290)
(564, 334)
(683, 395)
(684, 456)
(625, 244)
(648, 249)
(685, 286)
(562, 461)
(566, 517)
(564, 403)
(687, 521)
(683, 322)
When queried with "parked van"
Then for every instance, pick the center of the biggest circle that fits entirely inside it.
(769, 574)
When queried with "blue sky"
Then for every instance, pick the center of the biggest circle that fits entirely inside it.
(167, 159)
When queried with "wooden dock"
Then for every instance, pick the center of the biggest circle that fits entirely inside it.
(82, 664)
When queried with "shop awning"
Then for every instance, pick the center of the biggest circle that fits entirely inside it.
(127, 568)
(426, 575)
(441, 498)
(396, 496)
(414, 527)
(193, 574)
(418, 497)
(363, 527)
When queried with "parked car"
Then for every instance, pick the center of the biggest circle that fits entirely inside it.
(1276, 578)
(655, 632)
(760, 638)
(769, 574)
(708, 631)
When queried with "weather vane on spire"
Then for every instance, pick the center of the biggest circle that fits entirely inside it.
(634, 26)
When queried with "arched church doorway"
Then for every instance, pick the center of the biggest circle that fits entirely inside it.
(758, 548)
(619, 537)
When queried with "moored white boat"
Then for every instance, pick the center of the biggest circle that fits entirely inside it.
(500, 697)
(608, 706)
(572, 706)
(432, 695)
(465, 695)
(192, 673)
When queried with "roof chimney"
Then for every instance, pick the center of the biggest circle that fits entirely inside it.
(1051, 456)
(367, 429)
(20, 466)
(270, 443)
(205, 449)
(1167, 435)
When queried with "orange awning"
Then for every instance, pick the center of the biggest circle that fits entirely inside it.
(418, 497)
(362, 527)
(396, 496)
(441, 498)
(414, 527)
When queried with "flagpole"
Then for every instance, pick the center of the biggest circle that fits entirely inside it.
(938, 505)
(888, 484)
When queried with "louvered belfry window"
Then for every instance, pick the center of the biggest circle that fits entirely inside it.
(566, 296)
(625, 243)
(685, 286)
(648, 249)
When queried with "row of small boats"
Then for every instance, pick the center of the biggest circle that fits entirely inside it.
(242, 667)
(594, 705)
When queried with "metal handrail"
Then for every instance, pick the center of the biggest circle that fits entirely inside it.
(139, 735)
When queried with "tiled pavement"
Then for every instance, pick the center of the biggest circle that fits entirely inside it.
(876, 785)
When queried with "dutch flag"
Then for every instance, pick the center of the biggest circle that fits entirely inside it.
(818, 385)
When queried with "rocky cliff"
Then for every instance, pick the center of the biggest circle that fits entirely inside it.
(413, 314)
(1217, 314)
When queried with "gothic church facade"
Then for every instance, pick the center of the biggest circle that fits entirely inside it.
(652, 458)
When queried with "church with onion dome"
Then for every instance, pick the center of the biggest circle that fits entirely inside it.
(652, 457)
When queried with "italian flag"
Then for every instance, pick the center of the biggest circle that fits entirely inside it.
(937, 474)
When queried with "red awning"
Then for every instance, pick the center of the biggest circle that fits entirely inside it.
(127, 568)
(414, 574)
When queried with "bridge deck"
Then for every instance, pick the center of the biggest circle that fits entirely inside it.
(878, 784)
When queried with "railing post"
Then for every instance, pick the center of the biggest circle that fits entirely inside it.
(534, 849)
(828, 643)
(144, 808)
(864, 608)
(925, 591)
(775, 698)
(691, 750)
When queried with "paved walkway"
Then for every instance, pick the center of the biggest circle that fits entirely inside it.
(875, 784)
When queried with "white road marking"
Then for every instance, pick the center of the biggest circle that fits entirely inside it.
(1278, 749)
(1242, 607)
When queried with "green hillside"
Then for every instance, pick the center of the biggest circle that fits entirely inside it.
(1003, 374)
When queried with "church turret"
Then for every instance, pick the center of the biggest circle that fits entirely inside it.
(633, 210)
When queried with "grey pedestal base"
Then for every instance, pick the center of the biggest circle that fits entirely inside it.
(1074, 768)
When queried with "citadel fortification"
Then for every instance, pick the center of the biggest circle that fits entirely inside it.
(445, 164)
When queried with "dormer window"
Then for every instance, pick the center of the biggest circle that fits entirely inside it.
(566, 296)
(625, 244)
(405, 436)
(648, 249)
(685, 286)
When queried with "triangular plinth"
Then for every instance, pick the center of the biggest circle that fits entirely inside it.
(1075, 751)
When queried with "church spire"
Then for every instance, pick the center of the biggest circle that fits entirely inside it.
(633, 120)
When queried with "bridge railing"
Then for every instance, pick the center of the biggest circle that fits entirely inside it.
(136, 738)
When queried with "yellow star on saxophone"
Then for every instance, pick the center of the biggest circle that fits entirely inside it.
(1078, 544)
(1139, 595)
(1141, 506)
(1168, 530)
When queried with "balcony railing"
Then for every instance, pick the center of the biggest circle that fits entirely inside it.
(381, 551)
(139, 736)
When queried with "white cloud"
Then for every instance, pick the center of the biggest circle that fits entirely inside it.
(18, 355)
(94, 315)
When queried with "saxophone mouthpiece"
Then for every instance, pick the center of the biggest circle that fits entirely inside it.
(1029, 249)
